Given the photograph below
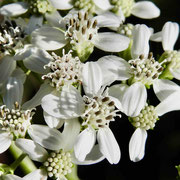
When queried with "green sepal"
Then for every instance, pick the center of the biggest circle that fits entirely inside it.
(5, 169)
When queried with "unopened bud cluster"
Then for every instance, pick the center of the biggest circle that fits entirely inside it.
(63, 70)
(146, 119)
(58, 164)
(11, 36)
(86, 5)
(40, 6)
(145, 70)
(126, 29)
(99, 112)
(15, 121)
(173, 59)
(124, 5)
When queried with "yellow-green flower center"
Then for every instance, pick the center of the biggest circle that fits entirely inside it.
(58, 164)
(40, 6)
(126, 29)
(146, 119)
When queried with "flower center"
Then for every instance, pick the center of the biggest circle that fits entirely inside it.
(40, 6)
(125, 6)
(81, 31)
(173, 59)
(58, 164)
(126, 29)
(86, 5)
(99, 112)
(15, 121)
(11, 36)
(64, 70)
(146, 119)
(145, 70)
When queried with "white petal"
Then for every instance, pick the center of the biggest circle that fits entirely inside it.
(53, 18)
(171, 103)
(170, 34)
(11, 177)
(111, 42)
(37, 60)
(14, 92)
(52, 121)
(93, 157)
(34, 150)
(116, 93)
(36, 100)
(70, 132)
(84, 143)
(49, 138)
(163, 88)
(19, 74)
(38, 174)
(141, 35)
(48, 38)
(108, 145)
(7, 66)
(145, 10)
(5, 141)
(137, 145)
(92, 78)
(35, 22)
(108, 19)
(175, 73)
(103, 4)
(157, 37)
(66, 105)
(134, 99)
(14, 9)
(62, 4)
(114, 68)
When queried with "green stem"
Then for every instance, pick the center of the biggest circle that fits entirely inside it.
(73, 175)
(26, 164)
(17, 162)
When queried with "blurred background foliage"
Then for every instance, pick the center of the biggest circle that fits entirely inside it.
(163, 143)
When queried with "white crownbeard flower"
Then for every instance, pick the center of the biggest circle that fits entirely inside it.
(96, 110)
(82, 33)
(59, 161)
(168, 36)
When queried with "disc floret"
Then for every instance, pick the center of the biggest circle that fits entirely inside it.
(145, 70)
(64, 70)
(146, 119)
(15, 121)
(58, 164)
(81, 31)
(99, 112)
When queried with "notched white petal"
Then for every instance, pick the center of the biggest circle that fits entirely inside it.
(5, 141)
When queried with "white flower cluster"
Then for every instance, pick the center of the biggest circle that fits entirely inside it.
(53, 43)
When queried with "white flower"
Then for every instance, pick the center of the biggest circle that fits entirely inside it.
(38, 9)
(37, 174)
(96, 109)
(143, 9)
(143, 70)
(14, 121)
(82, 33)
(59, 162)
(168, 36)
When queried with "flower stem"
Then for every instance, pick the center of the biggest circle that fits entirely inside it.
(73, 175)
(25, 163)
